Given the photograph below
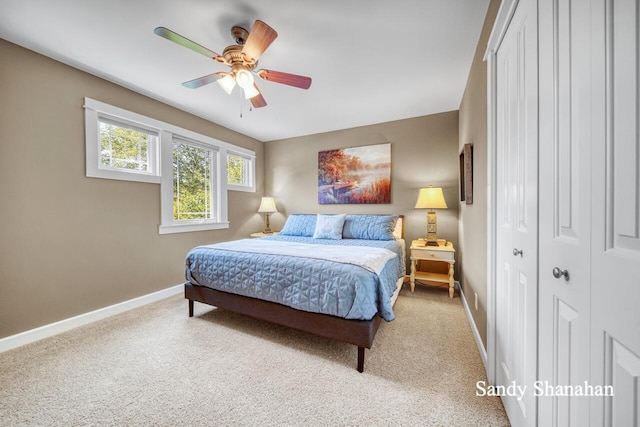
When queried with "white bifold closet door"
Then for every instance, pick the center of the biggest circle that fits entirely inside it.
(565, 209)
(615, 233)
(590, 210)
(516, 212)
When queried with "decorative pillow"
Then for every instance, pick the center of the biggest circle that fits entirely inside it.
(299, 225)
(369, 227)
(329, 227)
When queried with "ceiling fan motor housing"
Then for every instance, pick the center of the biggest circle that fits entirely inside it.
(239, 35)
(234, 58)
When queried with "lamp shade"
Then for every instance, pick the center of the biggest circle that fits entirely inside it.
(267, 205)
(227, 83)
(250, 92)
(244, 78)
(431, 198)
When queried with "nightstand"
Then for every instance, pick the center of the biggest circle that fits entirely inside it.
(261, 234)
(443, 253)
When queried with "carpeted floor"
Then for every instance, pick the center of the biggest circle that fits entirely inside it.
(156, 366)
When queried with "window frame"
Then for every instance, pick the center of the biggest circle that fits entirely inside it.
(167, 133)
(152, 142)
(219, 216)
(250, 172)
(212, 160)
(95, 112)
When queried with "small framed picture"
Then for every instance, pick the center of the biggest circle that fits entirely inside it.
(466, 174)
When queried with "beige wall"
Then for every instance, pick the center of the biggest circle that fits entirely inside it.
(424, 151)
(473, 218)
(71, 244)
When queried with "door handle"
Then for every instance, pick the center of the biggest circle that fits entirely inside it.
(517, 252)
(557, 273)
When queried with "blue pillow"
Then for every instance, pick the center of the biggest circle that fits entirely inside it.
(329, 227)
(369, 227)
(299, 225)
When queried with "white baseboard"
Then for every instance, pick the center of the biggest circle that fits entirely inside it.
(474, 330)
(51, 329)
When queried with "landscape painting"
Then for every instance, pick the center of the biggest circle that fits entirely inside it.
(355, 175)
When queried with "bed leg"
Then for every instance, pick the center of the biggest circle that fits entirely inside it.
(190, 308)
(360, 359)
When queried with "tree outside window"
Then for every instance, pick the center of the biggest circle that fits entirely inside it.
(192, 198)
(236, 170)
(124, 148)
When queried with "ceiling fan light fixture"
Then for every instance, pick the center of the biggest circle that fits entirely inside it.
(227, 83)
(244, 78)
(250, 92)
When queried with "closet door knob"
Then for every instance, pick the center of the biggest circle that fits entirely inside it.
(557, 273)
(517, 252)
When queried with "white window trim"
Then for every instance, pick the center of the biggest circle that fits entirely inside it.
(250, 186)
(93, 111)
(164, 177)
(220, 221)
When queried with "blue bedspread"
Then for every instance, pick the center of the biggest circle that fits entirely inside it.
(314, 285)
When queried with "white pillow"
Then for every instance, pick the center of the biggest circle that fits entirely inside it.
(329, 226)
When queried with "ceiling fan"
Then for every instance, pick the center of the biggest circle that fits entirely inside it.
(242, 57)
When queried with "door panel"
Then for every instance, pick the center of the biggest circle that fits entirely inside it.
(567, 327)
(516, 217)
(565, 207)
(615, 253)
(623, 374)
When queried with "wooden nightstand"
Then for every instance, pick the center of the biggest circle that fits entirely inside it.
(261, 234)
(443, 253)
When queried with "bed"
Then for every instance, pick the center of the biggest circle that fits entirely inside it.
(336, 276)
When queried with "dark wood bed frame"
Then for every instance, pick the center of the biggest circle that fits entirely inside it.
(357, 332)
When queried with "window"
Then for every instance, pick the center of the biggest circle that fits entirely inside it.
(240, 172)
(194, 171)
(192, 194)
(126, 149)
(118, 146)
(192, 182)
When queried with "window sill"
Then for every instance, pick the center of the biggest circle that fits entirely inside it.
(236, 187)
(186, 228)
(123, 175)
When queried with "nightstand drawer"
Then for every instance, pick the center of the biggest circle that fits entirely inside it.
(424, 253)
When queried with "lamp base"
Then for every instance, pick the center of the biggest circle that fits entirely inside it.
(432, 229)
(267, 228)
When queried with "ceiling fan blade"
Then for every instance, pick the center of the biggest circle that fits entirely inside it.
(260, 38)
(204, 80)
(258, 100)
(301, 82)
(183, 41)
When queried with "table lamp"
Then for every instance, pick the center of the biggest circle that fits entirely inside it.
(431, 198)
(267, 207)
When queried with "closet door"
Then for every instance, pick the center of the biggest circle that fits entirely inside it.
(615, 255)
(565, 207)
(516, 213)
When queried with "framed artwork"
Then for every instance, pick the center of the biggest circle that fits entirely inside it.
(355, 175)
(466, 174)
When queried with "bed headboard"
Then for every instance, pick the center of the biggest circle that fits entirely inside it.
(398, 232)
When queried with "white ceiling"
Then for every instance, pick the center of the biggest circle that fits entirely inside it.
(371, 61)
